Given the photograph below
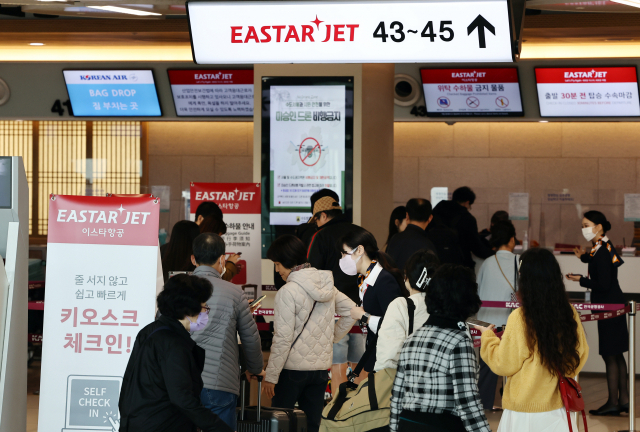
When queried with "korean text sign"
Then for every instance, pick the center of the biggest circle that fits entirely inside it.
(101, 288)
(407, 31)
(112, 93)
(588, 92)
(240, 205)
(213, 93)
(472, 92)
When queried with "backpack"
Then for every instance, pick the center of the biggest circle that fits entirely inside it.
(365, 407)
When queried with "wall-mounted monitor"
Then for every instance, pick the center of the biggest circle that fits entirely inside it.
(212, 93)
(588, 92)
(472, 92)
(112, 93)
(5, 182)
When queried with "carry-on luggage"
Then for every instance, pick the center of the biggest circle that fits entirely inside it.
(262, 419)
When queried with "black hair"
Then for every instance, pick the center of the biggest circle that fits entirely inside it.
(498, 216)
(419, 209)
(417, 264)
(598, 218)
(208, 208)
(177, 256)
(183, 296)
(398, 213)
(213, 225)
(501, 233)
(288, 250)
(330, 213)
(453, 293)
(550, 324)
(362, 237)
(321, 194)
(208, 248)
(463, 194)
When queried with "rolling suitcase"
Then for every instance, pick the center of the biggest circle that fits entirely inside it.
(262, 419)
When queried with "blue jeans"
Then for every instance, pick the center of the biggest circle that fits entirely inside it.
(221, 403)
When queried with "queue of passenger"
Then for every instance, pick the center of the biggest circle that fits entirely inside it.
(416, 321)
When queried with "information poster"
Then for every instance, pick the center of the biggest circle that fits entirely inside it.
(588, 92)
(632, 207)
(240, 205)
(472, 92)
(307, 127)
(112, 93)
(101, 290)
(439, 194)
(212, 93)
(519, 206)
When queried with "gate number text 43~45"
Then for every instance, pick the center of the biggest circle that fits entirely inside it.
(397, 32)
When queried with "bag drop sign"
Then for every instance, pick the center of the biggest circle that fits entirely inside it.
(101, 289)
(350, 32)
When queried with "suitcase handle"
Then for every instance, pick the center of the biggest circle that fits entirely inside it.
(242, 396)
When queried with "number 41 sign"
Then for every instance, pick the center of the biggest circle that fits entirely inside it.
(350, 32)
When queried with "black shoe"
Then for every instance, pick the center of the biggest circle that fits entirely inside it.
(606, 411)
(624, 408)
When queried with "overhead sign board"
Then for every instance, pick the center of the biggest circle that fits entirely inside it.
(472, 92)
(212, 93)
(350, 32)
(588, 92)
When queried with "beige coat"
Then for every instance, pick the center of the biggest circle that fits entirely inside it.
(293, 304)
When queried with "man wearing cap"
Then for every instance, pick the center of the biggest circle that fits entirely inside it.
(323, 254)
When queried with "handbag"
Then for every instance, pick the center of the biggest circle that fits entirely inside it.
(571, 394)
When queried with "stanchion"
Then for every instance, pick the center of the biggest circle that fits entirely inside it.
(632, 368)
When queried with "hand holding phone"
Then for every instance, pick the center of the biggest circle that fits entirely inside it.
(257, 301)
(573, 277)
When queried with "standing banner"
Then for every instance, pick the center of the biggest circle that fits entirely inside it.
(240, 204)
(101, 289)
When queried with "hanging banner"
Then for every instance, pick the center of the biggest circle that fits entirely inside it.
(240, 205)
(101, 289)
(379, 31)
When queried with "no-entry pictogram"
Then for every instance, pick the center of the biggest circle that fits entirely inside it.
(473, 102)
(310, 151)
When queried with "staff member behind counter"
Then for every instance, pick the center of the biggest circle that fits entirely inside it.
(603, 261)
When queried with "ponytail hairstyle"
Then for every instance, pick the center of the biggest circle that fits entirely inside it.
(550, 326)
(598, 218)
(420, 268)
(362, 237)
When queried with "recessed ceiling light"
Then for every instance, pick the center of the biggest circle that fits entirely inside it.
(544, 121)
(124, 10)
(36, 44)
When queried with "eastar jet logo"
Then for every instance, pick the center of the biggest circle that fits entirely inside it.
(473, 74)
(590, 74)
(108, 217)
(294, 33)
(216, 76)
(234, 195)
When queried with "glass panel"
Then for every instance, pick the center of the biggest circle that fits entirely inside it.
(16, 139)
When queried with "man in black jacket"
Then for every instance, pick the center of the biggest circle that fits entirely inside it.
(414, 237)
(455, 214)
(162, 383)
(323, 254)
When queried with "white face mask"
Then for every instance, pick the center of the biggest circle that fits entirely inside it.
(348, 264)
(588, 233)
(223, 267)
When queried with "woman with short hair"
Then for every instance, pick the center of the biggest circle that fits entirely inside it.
(305, 330)
(435, 387)
(543, 340)
(162, 383)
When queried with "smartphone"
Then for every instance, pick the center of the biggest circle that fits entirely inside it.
(475, 322)
(257, 301)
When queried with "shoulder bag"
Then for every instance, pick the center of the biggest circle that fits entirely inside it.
(571, 394)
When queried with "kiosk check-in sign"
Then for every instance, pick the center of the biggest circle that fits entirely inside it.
(350, 32)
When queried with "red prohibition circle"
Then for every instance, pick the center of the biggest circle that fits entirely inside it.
(303, 159)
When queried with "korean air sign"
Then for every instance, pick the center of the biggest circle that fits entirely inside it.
(350, 32)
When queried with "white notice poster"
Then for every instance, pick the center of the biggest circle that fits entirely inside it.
(632, 207)
(307, 125)
(101, 289)
(519, 206)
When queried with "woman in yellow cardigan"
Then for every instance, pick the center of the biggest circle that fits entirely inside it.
(542, 337)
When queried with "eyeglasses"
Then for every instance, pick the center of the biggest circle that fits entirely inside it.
(206, 308)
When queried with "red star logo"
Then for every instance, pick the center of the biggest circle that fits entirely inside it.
(317, 22)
